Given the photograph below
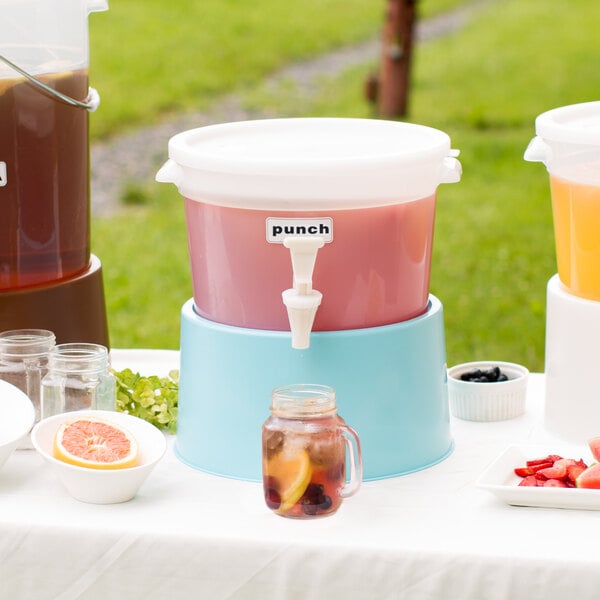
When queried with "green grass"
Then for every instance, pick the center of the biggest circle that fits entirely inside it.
(494, 247)
(174, 56)
(182, 55)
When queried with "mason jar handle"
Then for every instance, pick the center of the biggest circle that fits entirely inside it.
(355, 458)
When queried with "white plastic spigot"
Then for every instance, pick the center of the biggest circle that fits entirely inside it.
(301, 300)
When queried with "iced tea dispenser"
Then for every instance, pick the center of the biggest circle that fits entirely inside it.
(47, 274)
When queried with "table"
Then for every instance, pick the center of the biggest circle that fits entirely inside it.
(427, 535)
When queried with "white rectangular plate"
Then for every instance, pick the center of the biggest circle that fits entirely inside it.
(499, 479)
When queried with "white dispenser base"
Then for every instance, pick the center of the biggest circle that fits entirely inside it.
(572, 368)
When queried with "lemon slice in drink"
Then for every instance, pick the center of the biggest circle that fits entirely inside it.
(293, 475)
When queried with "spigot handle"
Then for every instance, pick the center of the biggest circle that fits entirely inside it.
(303, 250)
(301, 300)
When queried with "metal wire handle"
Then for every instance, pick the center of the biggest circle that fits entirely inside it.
(91, 103)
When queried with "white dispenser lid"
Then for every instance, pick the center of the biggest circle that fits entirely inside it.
(574, 124)
(568, 142)
(310, 163)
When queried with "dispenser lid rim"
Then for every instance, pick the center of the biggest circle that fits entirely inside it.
(310, 162)
(321, 143)
(572, 124)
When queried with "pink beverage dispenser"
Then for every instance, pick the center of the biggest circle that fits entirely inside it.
(48, 278)
(310, 244)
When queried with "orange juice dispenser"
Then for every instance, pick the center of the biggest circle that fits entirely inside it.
(568, 143)
(48, 277)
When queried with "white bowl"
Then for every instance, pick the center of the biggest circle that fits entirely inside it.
(489, 401)
(18, 416)
(102, 486)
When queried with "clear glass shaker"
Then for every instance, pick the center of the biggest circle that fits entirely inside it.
(78, 378)
(24, 361)
(305, 444)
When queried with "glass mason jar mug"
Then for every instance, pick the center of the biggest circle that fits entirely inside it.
(78, 378)
(304, 444)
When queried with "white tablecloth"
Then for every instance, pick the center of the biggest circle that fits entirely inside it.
(428, 535)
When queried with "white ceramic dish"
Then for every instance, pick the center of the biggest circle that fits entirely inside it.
(490, 401)
(18, 416)
(499, 479)
(108, 486)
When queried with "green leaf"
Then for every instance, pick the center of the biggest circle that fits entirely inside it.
(152, 398)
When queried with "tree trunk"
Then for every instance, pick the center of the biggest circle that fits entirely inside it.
(394, 72)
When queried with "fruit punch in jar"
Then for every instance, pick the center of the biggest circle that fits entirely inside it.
(304, 444)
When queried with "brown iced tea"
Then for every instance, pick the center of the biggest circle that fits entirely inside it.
(44, 182)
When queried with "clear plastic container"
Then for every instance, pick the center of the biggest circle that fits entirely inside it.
(78, 378)
(44, 152)
(304, 445)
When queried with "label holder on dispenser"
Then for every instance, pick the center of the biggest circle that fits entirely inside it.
(278, 228)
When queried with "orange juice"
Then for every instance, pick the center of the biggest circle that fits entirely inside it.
(576, 213)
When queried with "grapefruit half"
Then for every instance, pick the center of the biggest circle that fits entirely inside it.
(96, 444)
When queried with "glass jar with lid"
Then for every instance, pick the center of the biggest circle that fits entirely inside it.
(305, 444)
(78, 378)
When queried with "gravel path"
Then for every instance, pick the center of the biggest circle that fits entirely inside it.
(135, 157)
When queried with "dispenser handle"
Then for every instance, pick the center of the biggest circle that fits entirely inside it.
(170, 172)
(537, 151)
(451, 168)
(91, 103)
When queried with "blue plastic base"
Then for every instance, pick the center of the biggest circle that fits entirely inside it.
(390, 385)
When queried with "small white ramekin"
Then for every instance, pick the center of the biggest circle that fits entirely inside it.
(489, 401)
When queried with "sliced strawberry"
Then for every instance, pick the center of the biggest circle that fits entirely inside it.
(551, 458)
(532, 469)
(558, 470)
(554, 483)
(530, 481)
(523, 471)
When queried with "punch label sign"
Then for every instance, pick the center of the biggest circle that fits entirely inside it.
(280, 228)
